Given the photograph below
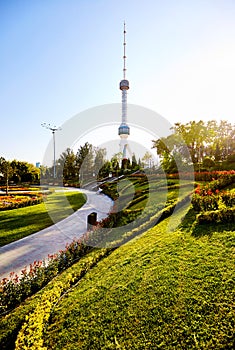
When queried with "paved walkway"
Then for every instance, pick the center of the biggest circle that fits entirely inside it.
(16, 255)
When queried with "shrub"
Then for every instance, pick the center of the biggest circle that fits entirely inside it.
(30, 336)
(217, 216)
(208, 198)
(15, 289)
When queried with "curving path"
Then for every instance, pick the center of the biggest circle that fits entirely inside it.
(16, 255)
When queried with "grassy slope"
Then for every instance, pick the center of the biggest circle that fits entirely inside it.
(19, 223)
(163, 290)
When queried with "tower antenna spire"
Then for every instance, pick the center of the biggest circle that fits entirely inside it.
(124, 51)
(124, 130)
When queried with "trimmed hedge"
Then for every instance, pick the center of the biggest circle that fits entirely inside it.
(218, 216)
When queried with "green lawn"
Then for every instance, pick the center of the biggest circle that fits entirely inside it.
(19, 223)
(164, 290)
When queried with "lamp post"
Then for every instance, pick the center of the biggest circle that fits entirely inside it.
(53, 130)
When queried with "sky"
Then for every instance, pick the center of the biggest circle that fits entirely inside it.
(62, 57)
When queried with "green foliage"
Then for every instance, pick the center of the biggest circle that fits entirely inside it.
(197, 142)
(226, 215)
(210, 201)
(213, 205)
(18, 171)
(208, 163)
(66, 166)
(30, 336)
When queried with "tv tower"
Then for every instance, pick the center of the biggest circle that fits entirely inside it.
(124, 130)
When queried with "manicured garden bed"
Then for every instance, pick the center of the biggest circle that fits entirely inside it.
(19, 200)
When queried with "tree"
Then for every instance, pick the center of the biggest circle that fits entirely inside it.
(105, 170)
(99, 160)
(115, 161)
(6, 171)
(199, 140)
(24, 172)
(134, 164)
(66, 165)
(147, 159)
(85, 162)
(195, 136)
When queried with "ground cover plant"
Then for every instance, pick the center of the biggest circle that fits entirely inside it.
(21, 222)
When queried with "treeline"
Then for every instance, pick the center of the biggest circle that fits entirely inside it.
(207, 145)
(88, 163)
(17, 172)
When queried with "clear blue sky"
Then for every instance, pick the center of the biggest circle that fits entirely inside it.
(61, 57)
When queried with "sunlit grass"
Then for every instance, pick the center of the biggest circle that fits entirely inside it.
(163, 290)
(19, 223)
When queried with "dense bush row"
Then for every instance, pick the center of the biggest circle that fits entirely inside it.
(141, 223)
(212, 204)
(201, 176)
(226, 215)
(213, 201)
(24, 324)
(30, 336)
(15, 289)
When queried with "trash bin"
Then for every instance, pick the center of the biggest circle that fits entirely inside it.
(91, 220)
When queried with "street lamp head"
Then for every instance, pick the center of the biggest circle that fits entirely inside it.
(53, 128)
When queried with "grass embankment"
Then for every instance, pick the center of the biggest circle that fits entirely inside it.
(21, 222)
(163, 290)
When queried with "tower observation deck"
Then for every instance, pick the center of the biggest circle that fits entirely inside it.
(124, 130)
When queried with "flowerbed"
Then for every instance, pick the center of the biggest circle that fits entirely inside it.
(214, 205)
(15, 289)
(20, 200)
(203, 176)
(207, 199)
(20, 188)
